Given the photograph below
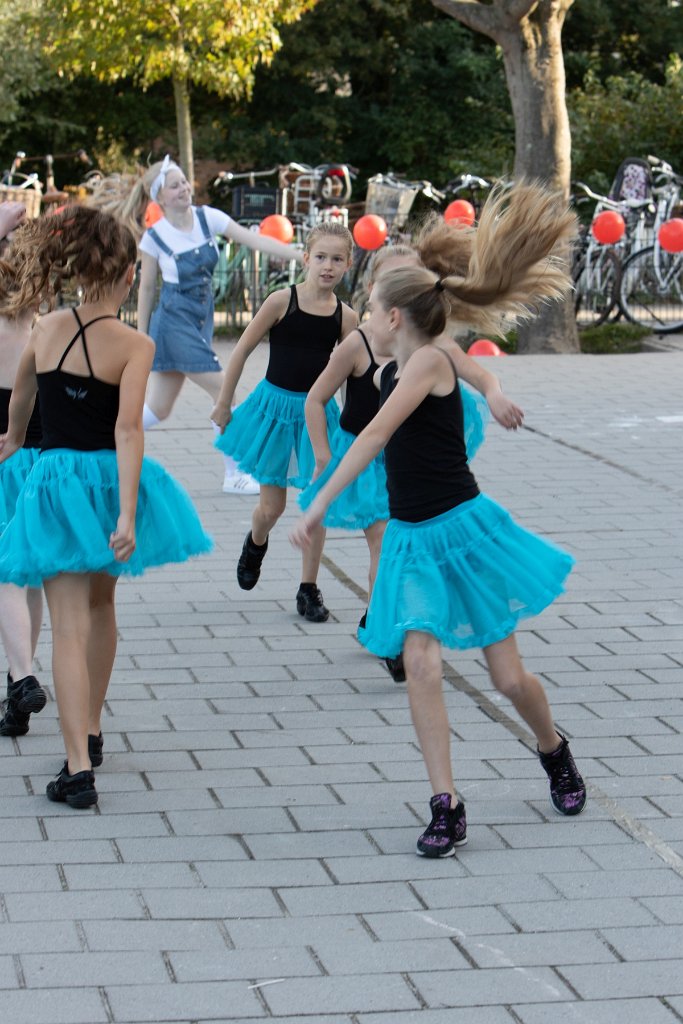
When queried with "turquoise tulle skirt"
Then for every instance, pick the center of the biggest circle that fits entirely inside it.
(365, 500)
(13, 473)
(267, 436)
(467, 577)
(69, 507)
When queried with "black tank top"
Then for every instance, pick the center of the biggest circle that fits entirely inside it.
(34, 430)
(300, 346)
(426, 459)
(78, 412)
(362, 397)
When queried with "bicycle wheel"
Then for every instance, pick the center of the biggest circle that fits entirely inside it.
(596, 282)
(651, 292)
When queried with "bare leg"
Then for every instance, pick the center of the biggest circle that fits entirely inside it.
(422, 659)
(524, 690)
(101, 644)
(18, 612)
(68, 598)
(373, 535)
(209, 382)
(162, 392)
(311, 555)
(271, 505)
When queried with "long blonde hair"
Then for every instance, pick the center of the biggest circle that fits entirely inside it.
(503, 270)
(125, 196)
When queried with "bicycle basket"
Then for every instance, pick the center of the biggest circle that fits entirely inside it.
(253, 202)
(391, 200)
(30, 197)
(633, 180)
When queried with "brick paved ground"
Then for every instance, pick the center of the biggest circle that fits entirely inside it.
(252, 855)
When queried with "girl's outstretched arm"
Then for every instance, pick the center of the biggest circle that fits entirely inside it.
(420, 375)
(343, 362)
(503, 409)
(262, 243)
(272, 310)
(22, 401)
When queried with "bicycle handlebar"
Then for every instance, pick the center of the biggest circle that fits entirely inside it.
(613, 204)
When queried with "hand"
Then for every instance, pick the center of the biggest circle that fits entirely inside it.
(7, 447)
(300, 534)
(221, 416)
(11, 216)
(504, 411)
(122, 540)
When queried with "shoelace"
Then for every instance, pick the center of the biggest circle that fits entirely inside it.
(565, 777)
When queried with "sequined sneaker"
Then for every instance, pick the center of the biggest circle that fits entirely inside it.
(567, 788)
(446, 830)
(25, 697)
(77, 790)
(240, 483)
(249, 564)
(309, 603)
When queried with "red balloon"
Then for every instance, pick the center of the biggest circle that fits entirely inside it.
(671, 235)
(484, 347)
(277, 226)
(608, 227)
(153, 213)
(461, 211)
(370, 231)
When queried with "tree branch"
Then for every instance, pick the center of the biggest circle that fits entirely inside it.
(479, 17)
(489, 19)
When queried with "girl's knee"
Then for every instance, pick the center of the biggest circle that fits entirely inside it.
(514, 683)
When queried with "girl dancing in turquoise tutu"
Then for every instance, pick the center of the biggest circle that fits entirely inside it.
(364, 504)
(92, 508)
(266, 434)
(455, 569)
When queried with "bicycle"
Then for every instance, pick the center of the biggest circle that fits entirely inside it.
(651, 289)
(28, 188)
(597, 268)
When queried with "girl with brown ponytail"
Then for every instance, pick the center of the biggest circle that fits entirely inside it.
(455, 569)
(92, 507)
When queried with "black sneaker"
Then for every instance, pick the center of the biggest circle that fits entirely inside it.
(95, 746)
(363, 620)
(446, 830)
(77, 790)
(396, 669)
(567, 788)
(249, 564)
(24, 697)
(309, 603)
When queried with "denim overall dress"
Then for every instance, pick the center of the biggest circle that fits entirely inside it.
(182, 323)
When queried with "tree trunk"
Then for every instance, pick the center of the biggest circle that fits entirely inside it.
(534, 68)
(529, 33)
(181, 95)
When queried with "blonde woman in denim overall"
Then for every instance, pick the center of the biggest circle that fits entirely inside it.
(182, 246)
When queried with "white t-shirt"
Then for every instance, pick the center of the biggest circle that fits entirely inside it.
(182, 241)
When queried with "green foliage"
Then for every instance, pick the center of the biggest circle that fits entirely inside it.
(626, 116)
(212, 43)
(22, 70)
(613, 339)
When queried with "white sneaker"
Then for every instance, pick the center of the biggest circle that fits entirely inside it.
(240, 483)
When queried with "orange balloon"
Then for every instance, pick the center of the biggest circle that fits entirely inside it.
(277, 226)
(461, 211)
(153, 213)
(370, 231)
(484, 347)
(608, 227)
(671, 235)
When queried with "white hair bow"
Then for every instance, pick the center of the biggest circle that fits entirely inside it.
(160, 179)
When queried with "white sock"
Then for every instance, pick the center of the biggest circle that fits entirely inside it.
(149, 418)
(230, 464)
